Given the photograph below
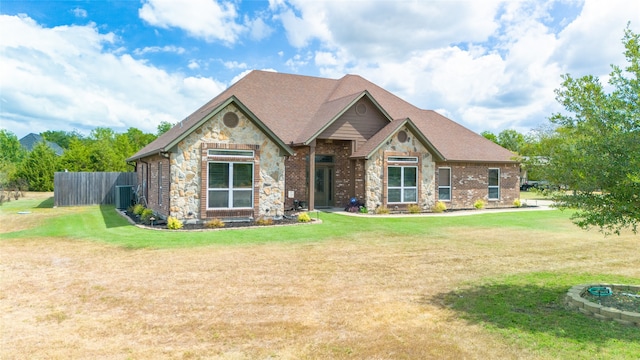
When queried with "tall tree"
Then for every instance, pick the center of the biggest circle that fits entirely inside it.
(595, 149)
(163, 127)
(77, 157)
(11, 154)
(62, 138)
(138, 139)
(489, 136)
(38, 168)
(512, 140)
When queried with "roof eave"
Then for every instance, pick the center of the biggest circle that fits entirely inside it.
(232, 99)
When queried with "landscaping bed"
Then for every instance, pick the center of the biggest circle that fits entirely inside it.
(291, 219)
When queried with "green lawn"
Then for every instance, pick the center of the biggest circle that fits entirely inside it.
(104, 224)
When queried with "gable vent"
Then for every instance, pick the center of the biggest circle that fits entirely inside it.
(230, 119)
(361, 108)
(402, 136)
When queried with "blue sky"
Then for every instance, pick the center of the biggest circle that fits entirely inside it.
(488, 65)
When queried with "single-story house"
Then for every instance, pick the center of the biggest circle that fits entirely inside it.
(273, 140)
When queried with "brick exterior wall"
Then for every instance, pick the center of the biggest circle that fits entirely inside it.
(348, 182)
(154, 184)
(470, 182)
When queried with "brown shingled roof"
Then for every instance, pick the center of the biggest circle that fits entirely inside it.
(295, 108)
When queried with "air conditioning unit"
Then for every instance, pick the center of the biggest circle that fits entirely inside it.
(124, 195)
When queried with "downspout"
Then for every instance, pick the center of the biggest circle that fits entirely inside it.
(145, 182)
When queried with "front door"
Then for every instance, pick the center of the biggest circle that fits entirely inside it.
(324, 186)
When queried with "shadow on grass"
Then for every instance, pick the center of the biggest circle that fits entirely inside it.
(532, 309)
(111, 217)
(46, 204)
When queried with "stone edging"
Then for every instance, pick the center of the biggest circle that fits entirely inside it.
(575, 300)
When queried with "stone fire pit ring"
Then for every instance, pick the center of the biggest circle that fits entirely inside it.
(575, 300)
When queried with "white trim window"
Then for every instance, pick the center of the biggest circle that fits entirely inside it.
(494, 184)
(444, 184)
(402, 184)
(230, 185)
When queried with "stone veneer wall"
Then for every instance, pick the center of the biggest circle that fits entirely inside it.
(470, 182)
(186, 172)
(374, 177)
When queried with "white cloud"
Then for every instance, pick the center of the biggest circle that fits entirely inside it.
(233, 65)
(258, 29)
(205, 19)
(62, 78)
(193, 65)
(78, 12)
(490, 64)
(158, 49)
(593, 41)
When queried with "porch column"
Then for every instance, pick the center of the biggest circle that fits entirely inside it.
(312, 175)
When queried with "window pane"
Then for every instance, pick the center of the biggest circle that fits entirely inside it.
(410, 178)
(242, 175)
(494, 193)
(242, 199)
(394, 195)
(444, 193)
(218, 175)
(324, 158)
(402, 159)
(218, 199)
(236, 153)
(494, 175)
(410, 195)
(394, 176)
(444, 177)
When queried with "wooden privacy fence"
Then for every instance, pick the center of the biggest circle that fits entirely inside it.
(89, 188)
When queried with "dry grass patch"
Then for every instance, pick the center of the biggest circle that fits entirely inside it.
(340, 298)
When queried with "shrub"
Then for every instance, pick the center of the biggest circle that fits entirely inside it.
(264, 221)
(304, 217)
(138, 209)
(414, 209)
(382, 210)
(173, 223)
(439, 207)
(479, 204)
(517, 203)
(214, 224)
(146, 216)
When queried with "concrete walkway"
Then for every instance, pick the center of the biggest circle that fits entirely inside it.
(527, 205)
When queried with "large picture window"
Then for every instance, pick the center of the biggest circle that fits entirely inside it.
(230, 185)
(444, 184)
(494, 184)
(402, 184)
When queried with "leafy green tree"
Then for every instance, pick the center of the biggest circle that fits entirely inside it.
(39, 167)
(595, 148)
(163, 127)
(11, 154)
(76, 158)
(512, 140)
(508, 139)
(138, 139)
(62, 138)
(489, 136)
